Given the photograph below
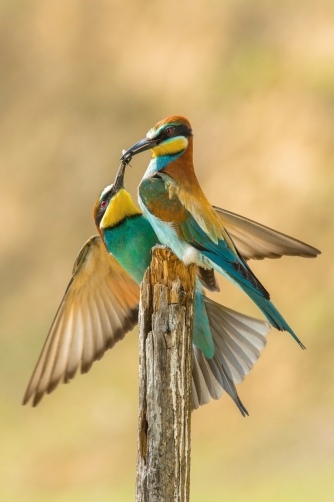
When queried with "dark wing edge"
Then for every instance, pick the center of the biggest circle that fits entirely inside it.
(208, 279)
(99, 307)
(256, 241)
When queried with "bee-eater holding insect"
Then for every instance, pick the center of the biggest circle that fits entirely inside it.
(184, 220)
(100, 304)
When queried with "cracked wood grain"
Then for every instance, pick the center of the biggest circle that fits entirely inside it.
(165, 376)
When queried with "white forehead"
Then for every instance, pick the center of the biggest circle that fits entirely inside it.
(152, 133)
(109, 187)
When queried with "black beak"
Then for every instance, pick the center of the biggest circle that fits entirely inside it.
(141, 146)
(119, 180)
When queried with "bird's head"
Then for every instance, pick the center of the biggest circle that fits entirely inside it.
(114, 204)
(170, 136)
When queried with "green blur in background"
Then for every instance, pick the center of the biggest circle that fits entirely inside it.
(80, 80)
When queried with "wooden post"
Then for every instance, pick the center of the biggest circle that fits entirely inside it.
(165, 379)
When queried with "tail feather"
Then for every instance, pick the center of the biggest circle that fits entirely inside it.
(200, 392)
(234, 367)
(271, 313)
(238, 340)
(213, 381)
(212, 388)
(255, 291)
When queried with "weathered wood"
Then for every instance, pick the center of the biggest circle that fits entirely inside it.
(165, 376)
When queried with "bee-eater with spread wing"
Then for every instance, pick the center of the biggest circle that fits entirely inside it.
(184, 220)
(100, 306)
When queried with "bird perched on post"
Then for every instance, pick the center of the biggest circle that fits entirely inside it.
(183, 218)
(101, 305)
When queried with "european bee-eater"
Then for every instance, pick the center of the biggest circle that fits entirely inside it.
(101, 305)
(184, 220)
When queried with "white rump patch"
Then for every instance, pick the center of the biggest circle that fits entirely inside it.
(191, 255)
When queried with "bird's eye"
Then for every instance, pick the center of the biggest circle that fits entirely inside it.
(169, 130)
(103, 204)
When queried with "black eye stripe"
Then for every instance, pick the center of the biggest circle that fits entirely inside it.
(103, 206)
(179, 130)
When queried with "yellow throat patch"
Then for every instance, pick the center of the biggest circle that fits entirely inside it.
(120, 207)
(170, 147)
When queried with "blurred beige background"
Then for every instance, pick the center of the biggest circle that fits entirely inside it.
(80, 80)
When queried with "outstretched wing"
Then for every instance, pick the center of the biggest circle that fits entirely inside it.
(256, 241)
(238, 340)
(99, 307)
